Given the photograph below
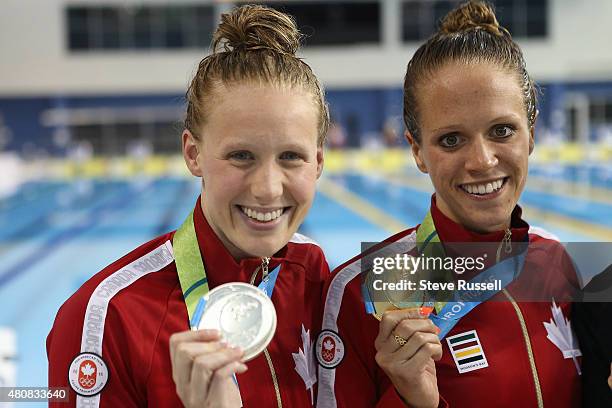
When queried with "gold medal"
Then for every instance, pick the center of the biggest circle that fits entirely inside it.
(394, 294)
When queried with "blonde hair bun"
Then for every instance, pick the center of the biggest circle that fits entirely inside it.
(255, 27)
(472, 15)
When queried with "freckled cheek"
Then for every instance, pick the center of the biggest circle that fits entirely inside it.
(520, 165)
(443, 166)
(441, 178)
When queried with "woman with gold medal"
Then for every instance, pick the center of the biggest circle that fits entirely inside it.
(470, 113)
(254, 130)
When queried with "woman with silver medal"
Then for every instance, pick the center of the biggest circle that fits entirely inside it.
(470, 113)
(146, 330)
(264, 129)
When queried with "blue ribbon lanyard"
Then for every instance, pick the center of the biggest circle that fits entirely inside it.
(449, 313)
(453, 311)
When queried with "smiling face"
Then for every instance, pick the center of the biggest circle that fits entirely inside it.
(475, 142)
(259, 160)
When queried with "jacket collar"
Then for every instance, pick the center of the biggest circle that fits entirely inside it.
(449, 231)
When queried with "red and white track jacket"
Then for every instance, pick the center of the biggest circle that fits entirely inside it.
(142, 305)
(525, 369)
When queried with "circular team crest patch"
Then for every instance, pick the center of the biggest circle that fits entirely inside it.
(87, 374)
(329, 349)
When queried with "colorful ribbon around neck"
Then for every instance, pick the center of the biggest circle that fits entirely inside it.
(449, 313)
(192, 275)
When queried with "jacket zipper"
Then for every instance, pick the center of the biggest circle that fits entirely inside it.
(265, 262)
(507, 245)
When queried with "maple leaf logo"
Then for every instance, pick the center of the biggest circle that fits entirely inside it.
(559, 331)
(329, 349)
(305, 363)
(87, 370)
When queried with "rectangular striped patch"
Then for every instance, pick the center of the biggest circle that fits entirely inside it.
(467, 351)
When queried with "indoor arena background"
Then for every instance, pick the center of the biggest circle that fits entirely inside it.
(91, 103)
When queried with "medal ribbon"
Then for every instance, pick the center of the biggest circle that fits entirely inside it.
(192, 274)
(448, 314)
(426, 234)
(453, 311)
(189, 265)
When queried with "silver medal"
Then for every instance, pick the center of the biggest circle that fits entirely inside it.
(243, 314)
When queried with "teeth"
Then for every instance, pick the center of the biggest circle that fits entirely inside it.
(483, 188)
(261, 216)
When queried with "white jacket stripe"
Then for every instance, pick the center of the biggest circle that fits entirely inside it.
(97, 307)
(298, 238)
(327, 377)
(543, 233)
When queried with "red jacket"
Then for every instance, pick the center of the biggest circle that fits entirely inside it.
(517, 373)
(145, 306)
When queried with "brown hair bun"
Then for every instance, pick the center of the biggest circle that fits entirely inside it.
(472, 15)
(254, 27)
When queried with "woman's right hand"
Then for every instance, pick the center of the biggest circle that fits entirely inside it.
(202, 368)
(407, 347)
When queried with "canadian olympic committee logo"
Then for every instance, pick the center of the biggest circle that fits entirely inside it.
(329, 349)
(88, 374)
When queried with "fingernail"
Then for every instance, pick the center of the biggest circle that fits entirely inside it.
(242, 367)
(425, 310)
(438, 330)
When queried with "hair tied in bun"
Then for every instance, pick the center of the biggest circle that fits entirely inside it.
(472, 15)
(254, 27)
(252, 44)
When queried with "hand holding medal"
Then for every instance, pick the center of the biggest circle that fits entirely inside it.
(232, 323)
(407, 347)
(202, 369)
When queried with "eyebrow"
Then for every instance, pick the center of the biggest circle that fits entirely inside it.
(509, 116)
(443, 128)
(248, 144)
(454, 127)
